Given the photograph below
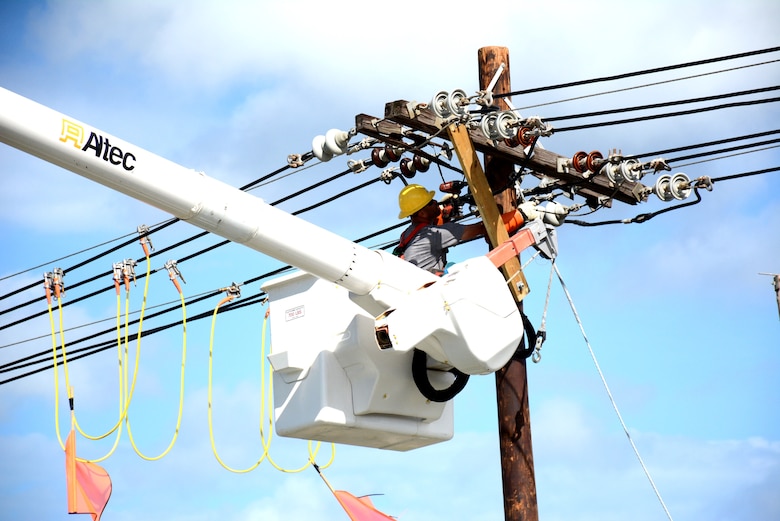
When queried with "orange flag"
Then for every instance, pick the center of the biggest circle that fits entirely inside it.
(89, 485)
(360, 509)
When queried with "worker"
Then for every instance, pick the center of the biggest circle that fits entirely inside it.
(426, 241)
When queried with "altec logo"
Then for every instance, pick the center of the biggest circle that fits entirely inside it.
(102, 146)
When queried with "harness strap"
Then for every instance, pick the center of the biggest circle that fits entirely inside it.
(406, 239)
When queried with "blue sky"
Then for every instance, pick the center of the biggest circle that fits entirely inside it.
(684, 328)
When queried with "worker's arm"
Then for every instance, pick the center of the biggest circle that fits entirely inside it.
(472, 231)
(512, 221)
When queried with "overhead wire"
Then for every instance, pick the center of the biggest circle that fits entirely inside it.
(30, 360)
(174, 246)
(668, 114)
(706, 144)
(157, 228)
(644, 217)
(638, 219)
(664, 104)
(4, 296)
(645, 85)
(638, 73)
(265, 178)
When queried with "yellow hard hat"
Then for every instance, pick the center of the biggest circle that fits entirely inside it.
(413, 198)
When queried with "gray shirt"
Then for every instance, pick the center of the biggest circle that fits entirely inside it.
(428, 249)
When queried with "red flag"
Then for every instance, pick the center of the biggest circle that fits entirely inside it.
(89, 486)
(360, 509)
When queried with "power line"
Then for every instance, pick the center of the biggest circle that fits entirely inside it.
(43, 356)
(152, 255)
(56, 260)
(158, 227)
(643, 86)
(668, 114)
(644, 217)
(183, 259)
(664, 104)
(640, 218)
(637, 73)
(706, 144)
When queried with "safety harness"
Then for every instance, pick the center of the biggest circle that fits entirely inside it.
(406, 239)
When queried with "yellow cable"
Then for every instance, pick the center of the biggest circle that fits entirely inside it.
(122, 406)
(181, 382)
(210, 380)
(67, 384)
(56, 374)
(267, 397)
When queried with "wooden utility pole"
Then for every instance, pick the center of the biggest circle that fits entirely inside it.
(514, 422)
(403, 126)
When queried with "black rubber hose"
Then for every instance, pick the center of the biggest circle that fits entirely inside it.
(420, 377)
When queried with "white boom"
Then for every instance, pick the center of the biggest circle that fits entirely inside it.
(467, 319)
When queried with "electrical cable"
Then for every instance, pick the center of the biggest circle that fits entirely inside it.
(159, 227)
(705, 144)
(93, 323)
(638, 73)
(636, 87)
(181, 377)
(171, 247)
(266, 177)
(724, 150)
(664, 104)
(18, 364)
(644, 217)
(107, 345)
(609, 393)
(56, 260)
(668, 114)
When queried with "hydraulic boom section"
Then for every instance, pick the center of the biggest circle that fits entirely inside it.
(448, 318)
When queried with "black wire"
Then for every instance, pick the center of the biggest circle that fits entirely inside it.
(744, 174)
(337, 196)
(112, 343)
(45, 354)
(156, 229)
(723, 150)
(217, 245)
(668, 114)
(12, 365)
(706, 144)
(664, 104)
(304, 190)
(163, 250)
(264, 178)
(637, 73)
(163, 225)
(644, 217)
